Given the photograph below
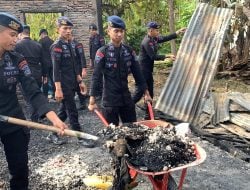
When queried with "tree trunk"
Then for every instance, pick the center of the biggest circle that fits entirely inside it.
(99, 16)
(171, 24)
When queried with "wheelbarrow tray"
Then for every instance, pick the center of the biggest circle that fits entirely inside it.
(199, 152)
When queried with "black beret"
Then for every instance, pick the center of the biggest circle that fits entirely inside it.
(63, 20)
(10, 21)
(92, 27)
(26, 27)
(116, 22)
(153, 24)
(43, 31)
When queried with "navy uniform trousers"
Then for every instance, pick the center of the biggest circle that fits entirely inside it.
(68, 103)
(17, 157)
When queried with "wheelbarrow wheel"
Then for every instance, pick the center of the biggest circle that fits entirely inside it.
(172, 185)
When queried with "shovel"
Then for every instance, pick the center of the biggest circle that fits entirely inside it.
(34, 125)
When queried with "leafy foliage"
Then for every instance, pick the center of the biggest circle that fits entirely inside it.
(37, 21)
(137, 13)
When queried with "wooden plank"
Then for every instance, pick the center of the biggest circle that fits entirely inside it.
(246, 11)
(217, 130)
(241, 119)
(236, 130)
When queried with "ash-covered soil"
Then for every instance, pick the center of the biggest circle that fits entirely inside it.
(64, 167)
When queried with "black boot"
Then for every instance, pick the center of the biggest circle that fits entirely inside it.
(55, 139)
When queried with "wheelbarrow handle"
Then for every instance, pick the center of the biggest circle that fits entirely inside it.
(150, 110)
(101, 117)
(35, 125)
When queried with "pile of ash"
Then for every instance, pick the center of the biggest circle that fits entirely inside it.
(151, 149)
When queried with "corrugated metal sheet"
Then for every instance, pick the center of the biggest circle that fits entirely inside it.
(219, 105)
(195, 66)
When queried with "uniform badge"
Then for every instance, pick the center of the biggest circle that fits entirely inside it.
(14, 25)
(111, 48)
(73, 45)
(63, 22)
(111, 54)
(110, 24)
(109, 65)
(64, 47)
(9, 65)
(126, 53)
(11, 80)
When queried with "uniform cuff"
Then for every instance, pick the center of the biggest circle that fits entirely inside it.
(43, 110)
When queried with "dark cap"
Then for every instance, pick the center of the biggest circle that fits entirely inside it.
(153, 24)
(43, 31)
(63, 20)
(10, 21)
(116, 22)
(92, 27)
(26, 27)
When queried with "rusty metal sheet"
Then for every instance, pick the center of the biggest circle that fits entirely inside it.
(184, 93)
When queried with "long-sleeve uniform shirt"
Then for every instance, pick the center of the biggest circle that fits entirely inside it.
(13, 69)
(149, 48)
(115, 64)
(32, 51)
(65, 64)
(95, 42)
(46, 42)
(80, 56)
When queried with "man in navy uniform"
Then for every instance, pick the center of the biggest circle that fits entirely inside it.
(80, 58)
(67, 76)
(113, 63)
(95, 42)
(14, 69)
(32, 51)
(46, 42)
(148, 53)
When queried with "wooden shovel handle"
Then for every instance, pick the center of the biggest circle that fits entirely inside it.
(35, 125)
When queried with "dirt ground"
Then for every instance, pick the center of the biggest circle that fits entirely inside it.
(63, 167)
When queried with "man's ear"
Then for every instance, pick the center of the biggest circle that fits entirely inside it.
(150, 30)
(107, 30)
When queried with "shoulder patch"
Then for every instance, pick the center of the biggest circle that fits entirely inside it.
(57, 49)
(79, 45)
(24, 67)
(99, 55)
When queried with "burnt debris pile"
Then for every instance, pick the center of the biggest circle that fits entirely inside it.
(150, 149)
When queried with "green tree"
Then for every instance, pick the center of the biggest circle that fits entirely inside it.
(137, 13)
(37, 21)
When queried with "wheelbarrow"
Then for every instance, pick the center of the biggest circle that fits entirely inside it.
(162, 180)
